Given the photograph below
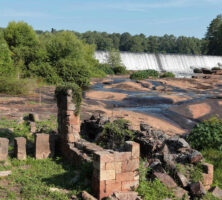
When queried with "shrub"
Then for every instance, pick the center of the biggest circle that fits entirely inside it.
(207, 134)
(14, 86)
(216, 68)
(154, 190)
(115, 134)
(120, 70)
(106, 68)
(167, 74)
(76, 94)
(144, 74)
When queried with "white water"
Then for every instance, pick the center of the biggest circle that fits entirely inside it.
(176, 63)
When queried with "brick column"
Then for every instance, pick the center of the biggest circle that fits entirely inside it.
(116, 171)
(20, 148)
(3, 149)
(68, 122)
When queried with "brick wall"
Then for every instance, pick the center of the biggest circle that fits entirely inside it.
(116, 171)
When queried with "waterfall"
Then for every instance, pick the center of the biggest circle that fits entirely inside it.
(176, 63)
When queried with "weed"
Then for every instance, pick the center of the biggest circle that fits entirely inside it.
(144, 74)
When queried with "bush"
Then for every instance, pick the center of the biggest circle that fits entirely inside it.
(216, 68)
(14, 86)
(154, 190)
(120, 70)
(115, 134)
(206, 135)
(144, 74)
(167, 74)
(106, 68)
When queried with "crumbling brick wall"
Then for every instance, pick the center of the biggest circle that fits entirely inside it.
(116, 171)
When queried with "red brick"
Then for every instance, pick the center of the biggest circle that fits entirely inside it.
(127, 176)
(129, 185)
(134, 148)
(113, 187)
(103, 156)
(122, 156)
(115, 166)
(130, 165)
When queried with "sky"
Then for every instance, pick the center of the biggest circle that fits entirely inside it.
(150, 17)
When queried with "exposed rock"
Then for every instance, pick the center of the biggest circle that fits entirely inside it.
(197, 189)
(197, 71)
(176, 142)
(124, 196)
(216, 192)
(58, 190)
(195, 157)
(157, 166)
(165, 179)
(87, 196)
(183, 181)
(206, 71)
(33, 117)
(180, 193)
(5, 173)
(144, 127)
(32, 127)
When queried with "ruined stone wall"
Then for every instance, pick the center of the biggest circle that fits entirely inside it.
(116, 171)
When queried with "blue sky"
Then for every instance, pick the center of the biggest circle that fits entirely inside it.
(150, 17)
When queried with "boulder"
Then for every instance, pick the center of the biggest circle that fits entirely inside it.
(165, 179)
(195, 157)
(87, 196)
(183, 181)
(206, 71)
(197, 189)
(33, 117)
(144, 127)
(175, 142)
(124, 196)
(216, 192)
(197, 71)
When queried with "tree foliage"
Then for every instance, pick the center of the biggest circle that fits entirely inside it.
(214, 36)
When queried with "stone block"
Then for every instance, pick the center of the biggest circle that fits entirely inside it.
(125, 196)
(134, 148)
(117, 166)
(107, 175)
(180, 193)
(127, 176)
(3, 148)
(103, 156)
(44, 146)
(207, 180)
(5, 173)
(165, 179)
(208, 168)
(216, 192)
(183, 181)
(73, 120)
(20, 148)
(197, 189)
(112, 187)
(129, 185)
(99, 165)
(122, 156)
(131, 165)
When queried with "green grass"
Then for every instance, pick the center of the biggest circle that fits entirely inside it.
(34, 180)
(144, 74)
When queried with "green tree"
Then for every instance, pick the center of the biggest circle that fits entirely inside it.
(71, 58)
(24, 44)
(214, 36)
(6, 64)
(114, 59)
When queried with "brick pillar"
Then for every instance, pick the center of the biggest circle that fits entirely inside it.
(20, 148)
(68, 122)
(3, 149)
(116, 171)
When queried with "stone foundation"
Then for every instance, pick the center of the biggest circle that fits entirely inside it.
(116, 171)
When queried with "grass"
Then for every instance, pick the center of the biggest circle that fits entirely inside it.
(32, 179)
(144, 74)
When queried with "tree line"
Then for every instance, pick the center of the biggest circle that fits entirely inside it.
(211, 44)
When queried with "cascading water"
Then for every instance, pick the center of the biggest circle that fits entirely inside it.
(176, 63)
